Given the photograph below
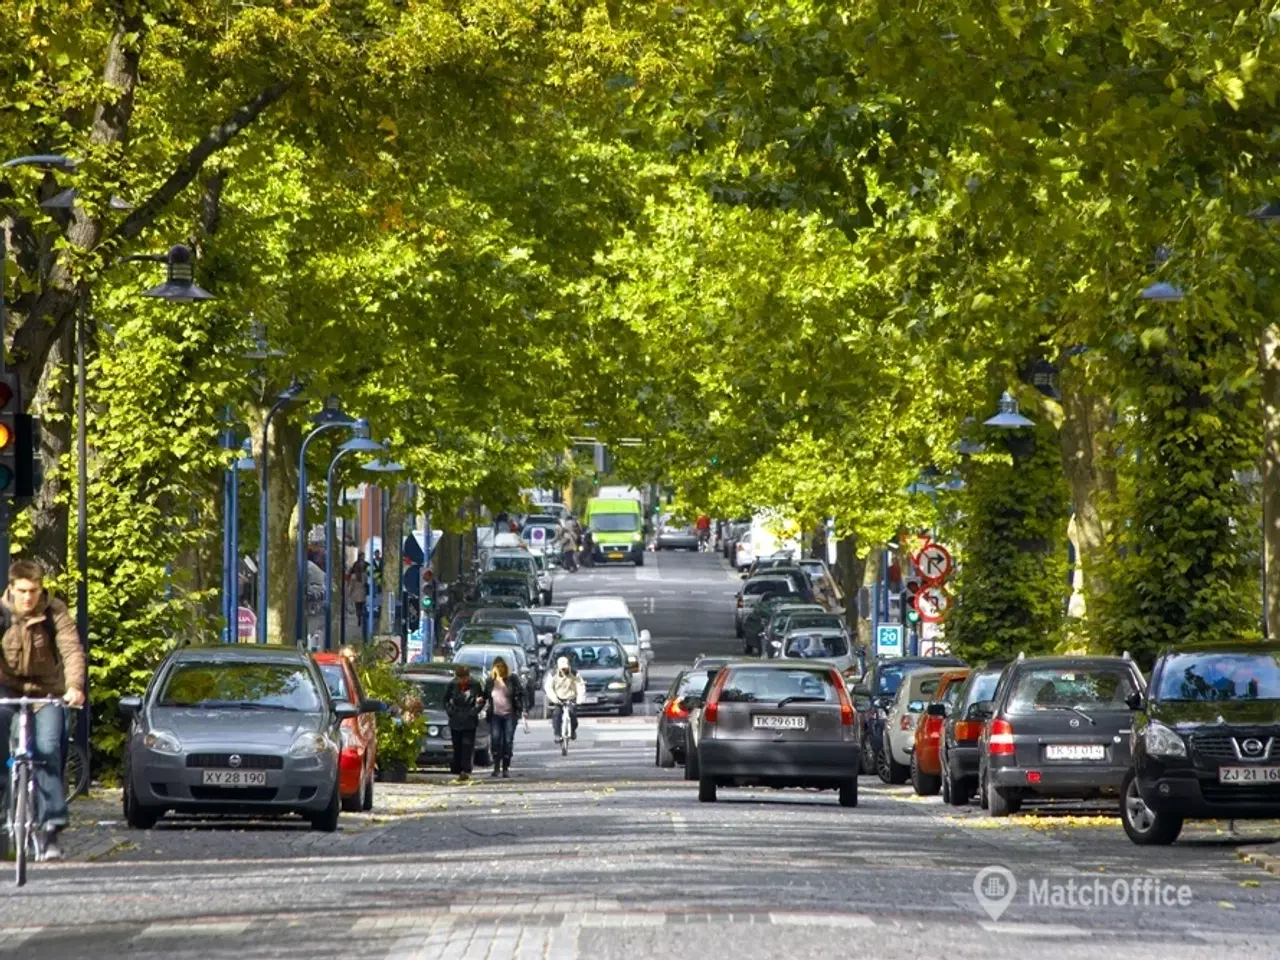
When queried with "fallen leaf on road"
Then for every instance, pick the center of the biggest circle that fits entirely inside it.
(1250, 883)
(1226, 905)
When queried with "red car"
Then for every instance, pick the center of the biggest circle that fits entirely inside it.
(926, 763)
(359, 755)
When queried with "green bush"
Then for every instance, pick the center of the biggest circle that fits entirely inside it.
(403, 727)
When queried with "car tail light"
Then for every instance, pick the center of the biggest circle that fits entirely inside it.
(846, 705)
(933, 728)
(1000, 743)
(712, 710)
(968, 730)
(1033, 776)
(674, 710)
(739, 603)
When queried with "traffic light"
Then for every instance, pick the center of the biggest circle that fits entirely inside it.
(912, 590)
(10, 426)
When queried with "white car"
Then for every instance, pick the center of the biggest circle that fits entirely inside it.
(743, 555)
(610, 617)
(916, 691)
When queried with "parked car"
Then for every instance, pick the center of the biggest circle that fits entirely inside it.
(432, 679)
(778, 724)
(524, 562)
(545, 622)
(743, 556)
(235, 728)
(676, 536)
(761, 615)
(682, 696)
(829, 644)
(926, 761)
(879, 686)
(505, 635)
(1205, 740)
(602, 664)
(358, 736)
(961, 731)
(522, 622)
(516, 584)
(732, 534)
(586, 617)
(918, 687)
(757, 588)
(1057, 727)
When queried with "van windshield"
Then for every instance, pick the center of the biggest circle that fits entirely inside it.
(619, 628)
(615, 522)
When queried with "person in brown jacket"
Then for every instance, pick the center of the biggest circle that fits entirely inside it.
(40, 656)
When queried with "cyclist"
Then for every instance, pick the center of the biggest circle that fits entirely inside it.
(564, 688)
(704, 531)
(40, 656)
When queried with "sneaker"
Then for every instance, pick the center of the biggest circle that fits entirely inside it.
(506, 774)
(495, 772)
(49, 849)
(574, 735)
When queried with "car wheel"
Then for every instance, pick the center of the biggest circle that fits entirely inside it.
(955, 792)
(868, 755)
(1143, 825)
(849, 793)
(738, 631)
(352, 803)
(946, 787)
(706, 790)
(923, 784)
(366, 802)
(890, 770)
(1001, 801)
(691, 768)
(326, 820)
(137, 815)
(982, 790)
(665, 759)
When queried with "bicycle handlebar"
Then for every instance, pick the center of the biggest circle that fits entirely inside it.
(34, 702)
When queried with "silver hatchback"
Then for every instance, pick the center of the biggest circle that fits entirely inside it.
(778, 724)
(232, 729)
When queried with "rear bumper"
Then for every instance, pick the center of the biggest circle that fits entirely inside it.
(673, 735)
(963, 762)
(1062, 780)
(677, 543)
(1191, 793)
(767, 763)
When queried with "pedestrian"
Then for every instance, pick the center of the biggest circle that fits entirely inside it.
(463, 702)
(504, 695)
(40, 656)
(359, 590)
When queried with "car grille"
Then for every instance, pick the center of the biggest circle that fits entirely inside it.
(1215, 748)
(1228, 793)
(248, 761)
(242, 794)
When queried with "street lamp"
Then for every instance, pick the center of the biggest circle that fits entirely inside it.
(359, 443)
(377, 466)
(231, 521)
(329, 418)
(1008, 417)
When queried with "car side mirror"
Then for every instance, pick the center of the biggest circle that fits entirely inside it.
(1135, 701)
(862, 704)
(129, 706)
(373, 706)
(861, 690)
(915, 706)
(345, 710)
(936, 710)
(982, 710)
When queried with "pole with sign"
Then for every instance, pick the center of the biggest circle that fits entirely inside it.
(247, 623)
(889, 640)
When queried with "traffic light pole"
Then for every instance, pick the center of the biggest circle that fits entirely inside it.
(82, 516)
(4, 502)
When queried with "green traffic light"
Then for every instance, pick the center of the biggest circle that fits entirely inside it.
(6, 478)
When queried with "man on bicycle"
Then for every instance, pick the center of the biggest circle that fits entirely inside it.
(564, 688)
(40, 656)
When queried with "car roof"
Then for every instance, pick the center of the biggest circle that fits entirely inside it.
(594, 641)
(502, 614)
(1094, 660)
(1224, 646)
(920, 661)
(427, 670)
(545, 611)
(587, 607)
(243, 651)
(328, 656)
(788, 663)
(489, 649)
(815, 631)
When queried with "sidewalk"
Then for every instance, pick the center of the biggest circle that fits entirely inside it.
(1265, 855)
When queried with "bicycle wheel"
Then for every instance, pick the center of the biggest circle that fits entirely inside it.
(21, 826)
(75, 772)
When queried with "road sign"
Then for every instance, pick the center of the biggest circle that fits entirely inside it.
(889, 640)
(538, 534)
(933, 563)
(247, 623)
(933, 604)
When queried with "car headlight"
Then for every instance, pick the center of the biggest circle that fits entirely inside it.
(637, 539)
(1161, 741)
(433, 731)
(162, 741)
(617, 685)
(309, 745)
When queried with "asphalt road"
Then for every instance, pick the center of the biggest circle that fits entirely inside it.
(602, 855)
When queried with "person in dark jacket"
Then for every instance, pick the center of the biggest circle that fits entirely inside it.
(463, 702)
(504, 695)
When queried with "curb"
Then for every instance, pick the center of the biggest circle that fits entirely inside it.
(1258, 857)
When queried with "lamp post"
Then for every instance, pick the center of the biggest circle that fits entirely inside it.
(330, 418)
(245, 462)
(377, 466)
(362, 444)
(283, 399)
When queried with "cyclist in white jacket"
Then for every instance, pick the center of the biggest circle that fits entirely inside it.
(563, 687)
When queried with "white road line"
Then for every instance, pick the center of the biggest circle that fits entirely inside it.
(648, 573)
(228, 928)
(678, 823)
(1036, 929)
(821, 920)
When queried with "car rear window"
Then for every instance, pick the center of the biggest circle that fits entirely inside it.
(757, 685)
(619, 628)
(772, 585)
(815, 646)
(1061, 688)
(487, 634)
(518, 564)
(209, 685)
(546, 621)
(800, 621)
(1220, 676)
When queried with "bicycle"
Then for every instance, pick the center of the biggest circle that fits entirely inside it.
(75, 771)
(565, 733)
(20, 821)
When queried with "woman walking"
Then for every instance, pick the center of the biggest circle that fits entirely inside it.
(505, 696)
(463, 702)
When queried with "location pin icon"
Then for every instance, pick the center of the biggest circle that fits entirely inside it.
(995, 888)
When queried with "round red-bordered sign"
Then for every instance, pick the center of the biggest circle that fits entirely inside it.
(933, 563)
(933, 604)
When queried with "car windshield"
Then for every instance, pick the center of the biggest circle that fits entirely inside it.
(692, 683)
(431, 690)
(335, 678)
(1221, 676)
(244, 684)
(590, 656)
(952, 693)
(815, 646)
(615, 522)
(802, 621)
(518, 564)
(486, 634)
(1061, 688)
(504, 588)
(755, 685)
(546, 622)
(618, 628)
(772, 585)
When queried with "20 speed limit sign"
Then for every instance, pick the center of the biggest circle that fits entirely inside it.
(933, 604)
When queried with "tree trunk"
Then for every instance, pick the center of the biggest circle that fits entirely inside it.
(392, 541)
(55, 405)
(282, 497)
(851, 573)
(1269, 362)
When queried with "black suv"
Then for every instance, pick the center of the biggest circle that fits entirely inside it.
(1057, 727)
(1206, 740)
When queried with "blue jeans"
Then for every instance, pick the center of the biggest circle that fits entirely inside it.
(502, 738)
(48, 729)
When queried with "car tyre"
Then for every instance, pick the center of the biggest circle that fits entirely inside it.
(890, 770)
(691, 768)
(955, 792)
(1142, 825)
(706, 789)
(868, 755)
(1001, 802)
(982, 790)
(665, 758)
(137, 815)
(849, 793)
(366, 802)
(352, 803)
(640, 560)
(326, 820)
(924, 784)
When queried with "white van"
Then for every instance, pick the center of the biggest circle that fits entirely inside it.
(610, 617)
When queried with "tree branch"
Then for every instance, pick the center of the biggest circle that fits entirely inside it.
(189, 168)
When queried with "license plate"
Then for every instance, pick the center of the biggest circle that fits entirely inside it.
(780, 723)
(589, 700)
(1249, 774)
(617, 556)
(1075, 751)
(234, 778)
